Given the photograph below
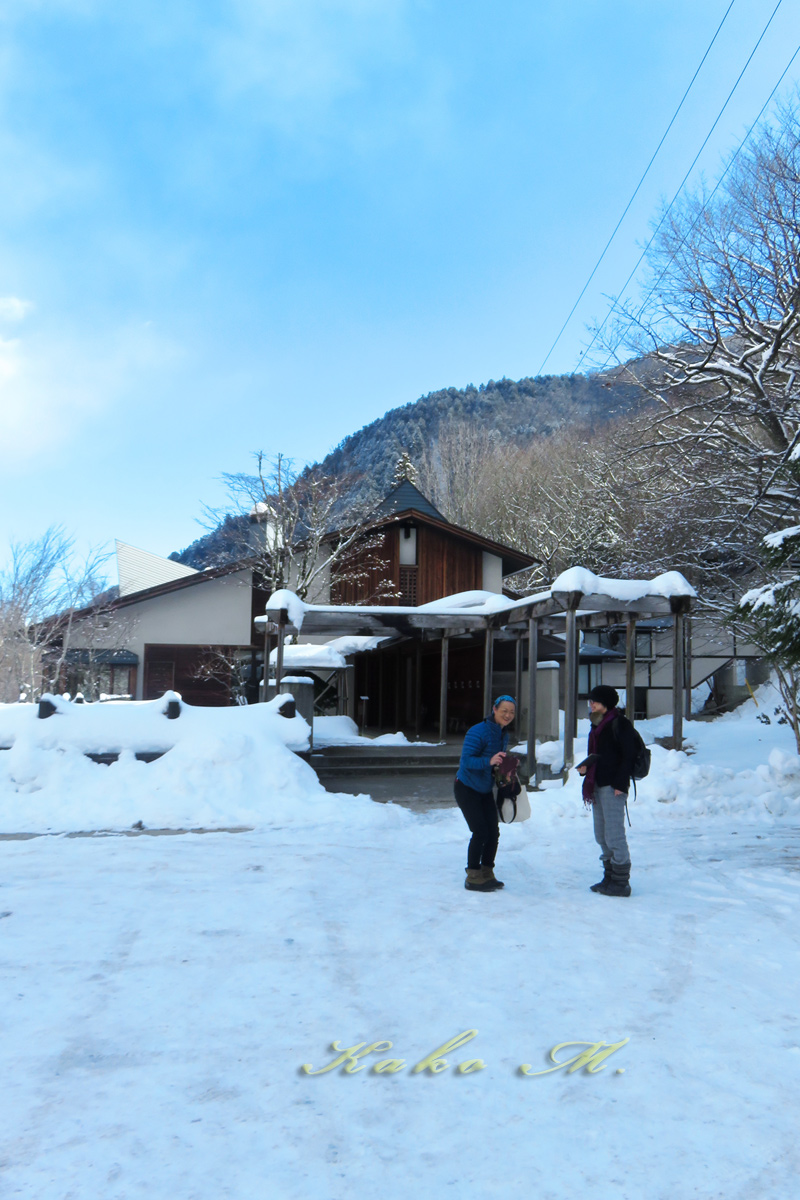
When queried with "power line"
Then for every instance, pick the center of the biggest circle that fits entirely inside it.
(703, 208)
(671, 204)
(638, 186)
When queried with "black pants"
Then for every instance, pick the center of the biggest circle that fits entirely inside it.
(480, 813)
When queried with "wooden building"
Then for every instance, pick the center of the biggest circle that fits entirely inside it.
(411, 547)
(193, 631)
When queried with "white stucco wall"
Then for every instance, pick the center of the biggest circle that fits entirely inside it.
(215, 612)
(492, 572)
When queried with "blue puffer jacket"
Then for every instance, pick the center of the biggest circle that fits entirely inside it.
(480, 745)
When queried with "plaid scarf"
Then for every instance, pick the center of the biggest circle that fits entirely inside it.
(594, 739)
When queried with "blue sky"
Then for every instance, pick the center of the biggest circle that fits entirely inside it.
(258, 224)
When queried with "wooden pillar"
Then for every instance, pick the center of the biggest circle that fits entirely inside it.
(397, 663)
(677, 680)
(571, 681)
(630, 666)
(533, 655)
(380, 689)
(267, 652)
(283, 617)
(687, 666)
(443, 688)
(418, 690)
(487, 671)
(518, 678)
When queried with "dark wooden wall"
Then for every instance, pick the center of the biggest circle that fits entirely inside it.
(374, 566)
(445, 565)
(168, 668)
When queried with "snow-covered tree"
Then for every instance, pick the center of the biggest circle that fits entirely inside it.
(718, 345)
(772, 613)
(404, 469)
(302, 528)
(41, 590)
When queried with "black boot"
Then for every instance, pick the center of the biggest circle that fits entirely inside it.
(619, 884)
(492, 878)
(606, 876)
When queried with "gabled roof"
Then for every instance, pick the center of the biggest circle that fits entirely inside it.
(513, 560)
(140, 569)
(403, 497)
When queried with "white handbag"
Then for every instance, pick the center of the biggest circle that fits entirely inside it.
(516, 810)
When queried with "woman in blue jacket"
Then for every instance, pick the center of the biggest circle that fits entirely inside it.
(484, 747)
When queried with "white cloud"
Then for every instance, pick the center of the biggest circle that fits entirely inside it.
(50, 387)
(14, 309)
(293, 62)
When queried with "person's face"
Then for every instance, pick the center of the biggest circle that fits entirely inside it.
(596, 707)
(504, 712)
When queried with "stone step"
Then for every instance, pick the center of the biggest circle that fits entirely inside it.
(365, 750)
(343, 767)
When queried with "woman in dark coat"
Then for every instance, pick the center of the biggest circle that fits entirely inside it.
(484, 747)
(607, 775)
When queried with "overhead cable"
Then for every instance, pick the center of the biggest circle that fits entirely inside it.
(636, 189)
(702, 209)
(680, 187)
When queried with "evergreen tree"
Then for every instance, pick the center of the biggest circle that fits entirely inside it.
(404, 469)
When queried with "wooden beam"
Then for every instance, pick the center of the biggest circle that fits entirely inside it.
(533, 655)
(518, 677)
(487, 671)
(570, 690)
(687, 666)
(283, 620)
(443, 688)
(630, 666)
(677, 681)
(267, 650)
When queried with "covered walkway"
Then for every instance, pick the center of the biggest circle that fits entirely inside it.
(577, 600)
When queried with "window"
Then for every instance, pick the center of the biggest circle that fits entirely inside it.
(408, 586)
(644, 644)
(589, 676)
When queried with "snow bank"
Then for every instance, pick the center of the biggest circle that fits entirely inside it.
(222, 767)
(737, 764)
(343, 731)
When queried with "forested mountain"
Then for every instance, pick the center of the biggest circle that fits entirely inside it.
(512, 412)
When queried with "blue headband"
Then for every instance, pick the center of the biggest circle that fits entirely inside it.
(499, 700)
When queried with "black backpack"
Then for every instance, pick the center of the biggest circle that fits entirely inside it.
(641, 761)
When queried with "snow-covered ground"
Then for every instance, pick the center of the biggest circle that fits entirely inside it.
(161, 994)
(343, 731)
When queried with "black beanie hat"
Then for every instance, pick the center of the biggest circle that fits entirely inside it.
(607, 696)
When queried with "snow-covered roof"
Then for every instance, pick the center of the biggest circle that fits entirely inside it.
(307, 655)
(579, 579)
(477, 609)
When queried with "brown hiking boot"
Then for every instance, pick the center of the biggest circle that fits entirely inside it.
(492, 878)
(477, 881)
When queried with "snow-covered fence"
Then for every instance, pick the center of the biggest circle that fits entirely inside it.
(103, 732)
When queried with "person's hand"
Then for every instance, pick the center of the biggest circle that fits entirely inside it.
(617, 792)
(582, 770)
(498, 758)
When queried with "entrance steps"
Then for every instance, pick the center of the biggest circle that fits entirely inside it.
(332, 762)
